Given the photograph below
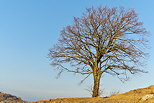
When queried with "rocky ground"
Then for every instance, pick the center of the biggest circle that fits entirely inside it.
(143, 95)
(8, 98)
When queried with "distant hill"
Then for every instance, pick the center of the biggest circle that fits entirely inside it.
(143, 95)
(8, 98)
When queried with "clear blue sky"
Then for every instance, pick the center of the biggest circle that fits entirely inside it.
(28, 28)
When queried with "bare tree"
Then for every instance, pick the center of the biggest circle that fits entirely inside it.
(103, 40)
(115, 92)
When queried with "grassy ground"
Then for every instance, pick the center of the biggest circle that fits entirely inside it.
(133, 96)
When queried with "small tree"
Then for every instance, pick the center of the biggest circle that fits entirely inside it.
(114, 92)
(103, 40)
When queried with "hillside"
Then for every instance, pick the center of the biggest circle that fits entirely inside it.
(143, 95)
(8, 98)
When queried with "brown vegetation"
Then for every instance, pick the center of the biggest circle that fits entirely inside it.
(133, 96)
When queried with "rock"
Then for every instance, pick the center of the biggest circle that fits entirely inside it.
(8, 98)
(147, 96)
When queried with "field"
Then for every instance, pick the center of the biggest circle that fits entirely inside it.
(143, 95)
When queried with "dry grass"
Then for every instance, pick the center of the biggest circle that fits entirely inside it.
(133, 96)
(83, 100)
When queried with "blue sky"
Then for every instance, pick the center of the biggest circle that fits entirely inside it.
(28, 28)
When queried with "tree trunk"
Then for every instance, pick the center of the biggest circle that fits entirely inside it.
(96, 86)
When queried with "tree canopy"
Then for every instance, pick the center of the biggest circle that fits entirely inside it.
(103, 40)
